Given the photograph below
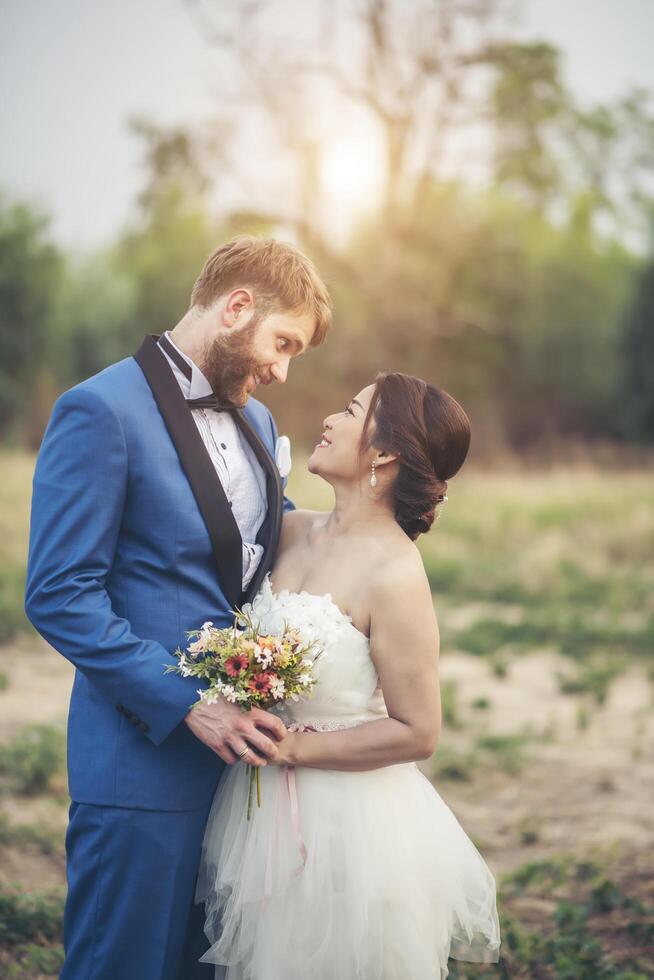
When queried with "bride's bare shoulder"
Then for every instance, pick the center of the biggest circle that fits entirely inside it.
(401, 574)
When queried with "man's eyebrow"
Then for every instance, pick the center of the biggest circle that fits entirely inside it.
(298, 340)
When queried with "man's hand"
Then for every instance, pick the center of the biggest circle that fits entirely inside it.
(228, 730)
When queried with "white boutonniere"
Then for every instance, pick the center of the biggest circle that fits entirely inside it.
(283, 455)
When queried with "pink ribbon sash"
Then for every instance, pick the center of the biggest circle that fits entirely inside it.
(291, 789)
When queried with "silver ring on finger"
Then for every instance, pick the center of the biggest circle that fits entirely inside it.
(244, 752)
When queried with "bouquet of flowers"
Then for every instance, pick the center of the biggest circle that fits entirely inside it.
(249, 668)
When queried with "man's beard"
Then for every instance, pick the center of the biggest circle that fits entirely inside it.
(229, 361)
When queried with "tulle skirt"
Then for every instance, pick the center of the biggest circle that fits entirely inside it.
(371, 877)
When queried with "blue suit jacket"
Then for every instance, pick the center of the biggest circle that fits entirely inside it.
(132, 544)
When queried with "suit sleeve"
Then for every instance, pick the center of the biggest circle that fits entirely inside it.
(288, 504)
(80, 485)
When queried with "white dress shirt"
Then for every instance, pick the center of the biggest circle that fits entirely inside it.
(234, 460)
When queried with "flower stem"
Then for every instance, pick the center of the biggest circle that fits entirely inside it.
(251, 778)
(258, 787)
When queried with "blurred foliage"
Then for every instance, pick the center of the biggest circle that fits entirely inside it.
(524, 322)
(520, 296)
(45, 839)
(30, 934)
(17, 468)
(33, 756)
(31, 276)
(637, 343)
(29, 917)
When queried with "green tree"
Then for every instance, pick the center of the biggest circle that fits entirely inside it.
(31, 270)
(638, 358)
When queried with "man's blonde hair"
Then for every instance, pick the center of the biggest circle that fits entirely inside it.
(279, 275)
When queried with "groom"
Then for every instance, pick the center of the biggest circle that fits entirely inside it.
(157, 506)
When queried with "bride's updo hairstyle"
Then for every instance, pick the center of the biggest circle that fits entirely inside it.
(429, 433)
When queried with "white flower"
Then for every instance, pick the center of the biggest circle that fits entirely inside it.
(277, 687)
(305, 679)
(283, 455)
(208, 696)
(263, 656)
(202, 642)
(184, 666)
(228, 691)
(305, 662)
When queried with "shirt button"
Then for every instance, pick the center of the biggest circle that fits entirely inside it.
(223, 446)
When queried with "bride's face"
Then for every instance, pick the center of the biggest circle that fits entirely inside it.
(337, 453)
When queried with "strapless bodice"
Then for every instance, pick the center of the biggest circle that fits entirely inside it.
(347, 691)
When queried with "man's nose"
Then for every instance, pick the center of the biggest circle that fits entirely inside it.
(279, 371)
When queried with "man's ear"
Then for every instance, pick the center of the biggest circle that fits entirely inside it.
(238, 301)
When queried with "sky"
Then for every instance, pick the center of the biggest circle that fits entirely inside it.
(73, 72)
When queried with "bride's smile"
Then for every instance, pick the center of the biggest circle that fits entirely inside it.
(340, 456)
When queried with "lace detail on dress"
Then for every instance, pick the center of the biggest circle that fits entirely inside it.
(320, 726)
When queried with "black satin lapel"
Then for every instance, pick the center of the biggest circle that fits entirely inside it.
(275, 493)
(196, 463)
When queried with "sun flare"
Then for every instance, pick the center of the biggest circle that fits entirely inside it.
(352, 176)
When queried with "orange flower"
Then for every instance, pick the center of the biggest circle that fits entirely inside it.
(260, 683)
(236, 664)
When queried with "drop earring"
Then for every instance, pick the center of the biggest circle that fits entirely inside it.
(373, 475)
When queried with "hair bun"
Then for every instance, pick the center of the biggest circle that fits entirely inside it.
(430, 434)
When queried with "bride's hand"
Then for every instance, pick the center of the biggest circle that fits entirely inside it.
(285, 755)
(287, 749)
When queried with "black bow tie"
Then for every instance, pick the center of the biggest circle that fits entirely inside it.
(210, 401)
(207, 401)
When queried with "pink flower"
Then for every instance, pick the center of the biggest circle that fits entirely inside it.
(236, 664)
(260, 683)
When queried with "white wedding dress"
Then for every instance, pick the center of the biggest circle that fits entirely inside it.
(360, 875)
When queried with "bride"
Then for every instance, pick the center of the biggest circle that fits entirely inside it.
(354, 868)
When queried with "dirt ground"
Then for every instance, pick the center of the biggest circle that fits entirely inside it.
(578, 787)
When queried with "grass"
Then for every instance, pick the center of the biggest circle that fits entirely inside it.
(450, 704)
(30, 932)
(15, 495)
(43, 839)
(506, 753)
(570, 919)
(29, 917)
(33, 757)
(593, 678)
(562, 919)
(589, 907)
(570, 557)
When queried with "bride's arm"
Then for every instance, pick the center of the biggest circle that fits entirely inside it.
(404, 646)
